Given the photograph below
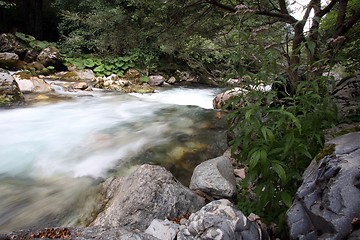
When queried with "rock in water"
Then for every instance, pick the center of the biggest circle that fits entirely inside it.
(150, 192)
(215, 177)
(327, 204)
(219, 220)
(9, 90)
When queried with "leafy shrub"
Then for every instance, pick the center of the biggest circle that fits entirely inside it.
(275, 139)
(32, 42)
(102, 67)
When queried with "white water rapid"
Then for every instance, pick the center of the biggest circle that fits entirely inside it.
(51, 155)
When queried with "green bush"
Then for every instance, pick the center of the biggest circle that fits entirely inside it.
(275, 139)
(101, 66)
(32, 42)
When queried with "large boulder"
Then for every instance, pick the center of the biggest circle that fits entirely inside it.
(223, 99)
(50, 56)
(219, 220)
(8, 43)
(32, 85)
(9, 90)
(150, 192)
(347, 97)
(85, 74)
(215, 177)
(327, 204)
(156, 80)
(9, 56)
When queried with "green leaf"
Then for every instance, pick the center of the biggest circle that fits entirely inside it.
(248, 114)
(144, 79)
(254, 159)
(279, 170)
(50, 67)
(99, 68)
(311, 46)
(89, 63)
(119, 64)
(286, 198)
(264, 132)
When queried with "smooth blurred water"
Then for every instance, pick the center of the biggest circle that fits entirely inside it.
(50, 156)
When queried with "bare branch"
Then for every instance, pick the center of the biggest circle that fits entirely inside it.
(342, 30)
(283, 8)
(222, 6)
(327, 8)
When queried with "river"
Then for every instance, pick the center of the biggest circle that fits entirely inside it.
(53, 156)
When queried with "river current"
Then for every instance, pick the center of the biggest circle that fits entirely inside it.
(53, 156)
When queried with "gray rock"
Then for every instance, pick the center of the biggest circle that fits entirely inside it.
(220, 220)
(222, 99)
(163, 229)
(9, 56)
(171, 80)
(215, 177)
(347, 96)
(80, 85)
(8, 43)
(150, 192)
(9, 90)
(156, 80)
(85, 74)
(33, 85)
(50, 57)
(328, 201)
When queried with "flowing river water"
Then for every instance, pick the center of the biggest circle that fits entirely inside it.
(53, 156)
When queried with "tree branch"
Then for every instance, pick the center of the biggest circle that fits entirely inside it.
(327, 8)
(222, 6)
(342, 30)
(283, 7)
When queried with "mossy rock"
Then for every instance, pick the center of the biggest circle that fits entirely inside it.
(70, 76)
(25, 74)
(37, 66)
(139, 89)
(328, 150)
(13, 65)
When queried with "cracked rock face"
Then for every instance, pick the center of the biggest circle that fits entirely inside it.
(219, 220)
(327, 204)
(148, 193)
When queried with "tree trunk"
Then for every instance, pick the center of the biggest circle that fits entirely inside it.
(295, 58)
(33, 17)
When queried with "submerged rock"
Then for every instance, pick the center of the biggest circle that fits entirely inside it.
(327, 204)
(150, 192)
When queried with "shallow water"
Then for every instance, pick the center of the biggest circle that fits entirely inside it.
(53, 155)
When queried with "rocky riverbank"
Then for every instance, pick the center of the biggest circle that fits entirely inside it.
(151, 204)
